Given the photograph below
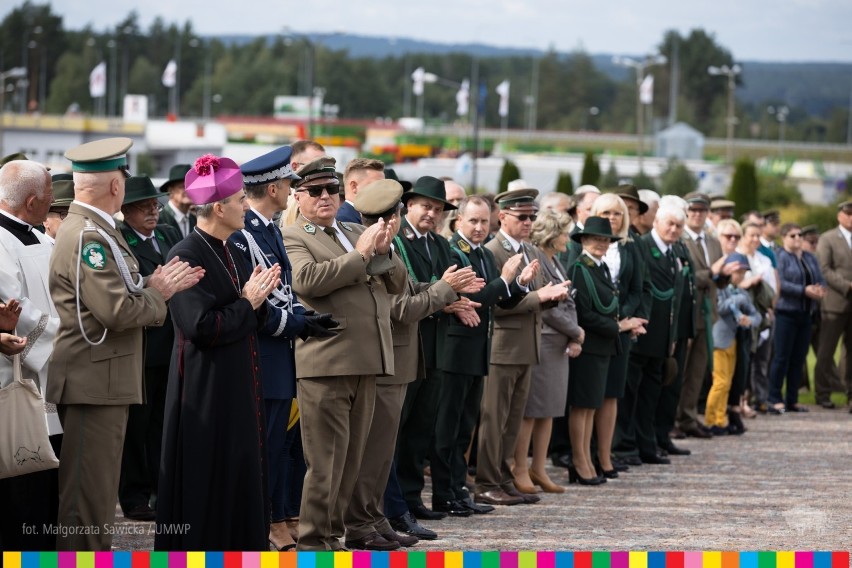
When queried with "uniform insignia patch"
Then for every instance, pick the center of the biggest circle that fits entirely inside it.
(587, 261)
(309, 229)
(463, 246)
(240, 246)
(345, 226)
(255, 223)
(507, 246)
(94, 255)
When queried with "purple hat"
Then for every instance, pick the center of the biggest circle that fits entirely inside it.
(213, 179)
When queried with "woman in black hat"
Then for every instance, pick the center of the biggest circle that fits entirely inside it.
(597, 313)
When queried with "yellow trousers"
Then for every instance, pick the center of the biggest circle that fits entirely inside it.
(724, 363)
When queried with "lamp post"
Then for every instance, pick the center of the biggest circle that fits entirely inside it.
(731, 73)
(111, 99)
(640, 67)
(13, 73)
(780, 113)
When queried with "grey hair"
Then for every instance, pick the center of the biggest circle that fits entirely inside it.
(549, 225)
(672, 211)
(553, 199)
(21, 179)
(649, 196)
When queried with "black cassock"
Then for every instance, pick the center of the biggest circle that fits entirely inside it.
(212, 489)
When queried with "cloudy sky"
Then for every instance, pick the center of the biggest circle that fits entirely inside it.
(765, 30)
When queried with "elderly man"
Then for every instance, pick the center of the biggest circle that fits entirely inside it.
(213, 477)
(178, 210)
(95, 372)
(514, 350)
(359, 172)
(140, 461)
(349, 271)
(267, 180)
(25, 198)
(63, 195)
(645, 222)
(364, 517)
(720, 208)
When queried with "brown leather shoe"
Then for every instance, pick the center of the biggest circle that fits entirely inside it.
(497, 497)
(403, 539)
(372, 541)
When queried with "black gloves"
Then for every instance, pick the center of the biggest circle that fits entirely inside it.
(318, 325)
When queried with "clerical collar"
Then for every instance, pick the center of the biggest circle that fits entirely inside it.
(516, 245)
(664, 248)
(597, 262)
(263, 219)
(102, 214)
(24, 225)
(467, 240)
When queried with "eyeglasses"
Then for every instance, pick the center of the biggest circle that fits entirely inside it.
(732, 237)
(62, 213)
(316, 190)
(156, 205)
(794, 235)
(524, 217)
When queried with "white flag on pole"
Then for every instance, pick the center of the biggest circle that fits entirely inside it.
(503, 90)
(170, 74)
(463, 98)
(417, 77)
(98, 80)
(646, 90)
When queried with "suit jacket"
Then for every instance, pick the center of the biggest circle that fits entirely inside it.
(416, 302)
(466, 350)
(167, 217)
(686, 313)
(348, 213)
(835, 262)
(109, 373)
(425, 268)
(158, 339)
(330, 280)
(599, 319)
(666, 278)
(705, 285)
(517, 331)
(277, 336)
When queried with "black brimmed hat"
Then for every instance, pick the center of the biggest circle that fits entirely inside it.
(430, 187)
(595, 227)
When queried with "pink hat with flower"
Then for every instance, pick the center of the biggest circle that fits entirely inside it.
(212, 179)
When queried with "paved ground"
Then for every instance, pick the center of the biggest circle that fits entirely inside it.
(785, 485)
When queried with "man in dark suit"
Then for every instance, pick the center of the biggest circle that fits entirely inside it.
(359, 173)
(514, 350)
(178, 210)
(465, 356)
(427, 256)
(349, 271)
(834, 251)
(267, 181)
(140, 461)
(648, 357)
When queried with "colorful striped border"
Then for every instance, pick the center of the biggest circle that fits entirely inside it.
(428, 559)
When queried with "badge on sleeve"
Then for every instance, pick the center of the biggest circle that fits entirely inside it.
(309, 229)
(94, 255)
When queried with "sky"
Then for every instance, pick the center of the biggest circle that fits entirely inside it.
(753, 30)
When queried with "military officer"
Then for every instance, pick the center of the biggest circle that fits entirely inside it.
(63, 195)
(96, 368)
(140, 461)
(178, 210)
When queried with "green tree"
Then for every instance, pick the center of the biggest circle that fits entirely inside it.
(565, 183)
(644, 181)
(744, 188)
(677, 180)
(610, 179)
(591, 174)
(509, 173)
(776, 191)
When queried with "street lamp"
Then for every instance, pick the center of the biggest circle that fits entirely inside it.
(780, 113)
(731, 72)
(640, 67)
(13, 73)
(593, 111)
(111, 44)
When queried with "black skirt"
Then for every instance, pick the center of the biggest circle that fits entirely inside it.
(587, 380)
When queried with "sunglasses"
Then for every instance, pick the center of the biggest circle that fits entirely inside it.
(732, 237)
(316, 190)
(524, 217)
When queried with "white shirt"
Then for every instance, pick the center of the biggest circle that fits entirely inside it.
(341, 236)
(695, 236)
(152, 237)
(103, 214)
(181, 219)
(664, 248)
(474, 247)
(612, 258)
(846, 235)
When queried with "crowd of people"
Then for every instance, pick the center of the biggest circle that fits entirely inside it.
(281, 354)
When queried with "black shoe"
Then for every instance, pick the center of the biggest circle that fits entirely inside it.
(827, 404)
(673, 450)
(423, 513)
(661, 451)
(606, 474)
(477, 508)
(574, 477)
(655, 459)
(698, 432)
(631, 460)
(718, 431)
(528, 498)
(407, 524)
(618, 464)
(453, 508)
(373, 541)
(141, 513)
(561, 460)
(796, 408)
